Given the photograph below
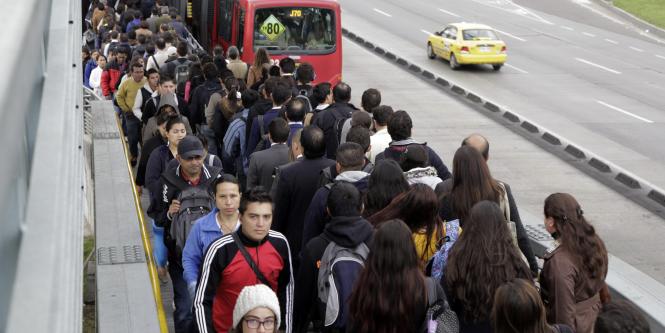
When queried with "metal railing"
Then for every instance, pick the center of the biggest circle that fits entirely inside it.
(42, 180)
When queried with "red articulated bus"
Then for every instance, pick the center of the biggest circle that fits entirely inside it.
(305, 30)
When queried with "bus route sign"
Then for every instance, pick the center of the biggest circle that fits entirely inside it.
(272, 28)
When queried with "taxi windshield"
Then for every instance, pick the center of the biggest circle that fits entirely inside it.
(295, 30)
(479, 34)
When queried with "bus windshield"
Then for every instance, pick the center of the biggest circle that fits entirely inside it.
(295, 30)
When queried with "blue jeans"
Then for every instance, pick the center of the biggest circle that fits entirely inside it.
(182, 316)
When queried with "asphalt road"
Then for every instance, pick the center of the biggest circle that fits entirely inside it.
(630, 232)
(581, 74)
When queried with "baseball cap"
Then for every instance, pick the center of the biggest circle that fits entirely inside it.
(189, 147)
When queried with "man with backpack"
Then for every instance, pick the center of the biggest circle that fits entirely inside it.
(185, 197)
(178, 69)
(349, 167)
(252, 255)
(233, 156)
(199, 102)
(332, 119)
(331, 263)
(258, 138)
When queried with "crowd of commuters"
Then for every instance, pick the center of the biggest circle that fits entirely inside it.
(278, 205)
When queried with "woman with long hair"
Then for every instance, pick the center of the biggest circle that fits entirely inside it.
(519, 309)
(472, 183)
(573, 275)
(390, 294)
(419, 209)
(482, 259)
(385, 182)
(261, 61)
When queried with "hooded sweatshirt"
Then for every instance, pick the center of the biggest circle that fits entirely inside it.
(347, 231)
(316, 215)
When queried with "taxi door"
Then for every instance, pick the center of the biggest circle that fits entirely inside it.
(448, 37)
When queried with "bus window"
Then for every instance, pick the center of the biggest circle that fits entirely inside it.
(225, 19)
(295, 30)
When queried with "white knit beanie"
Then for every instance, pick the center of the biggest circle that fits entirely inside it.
(252, 297)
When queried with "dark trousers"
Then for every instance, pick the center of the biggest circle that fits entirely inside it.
(182, 316)
(133, 132)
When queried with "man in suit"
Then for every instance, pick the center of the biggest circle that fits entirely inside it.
(296, 184)
(262, 163)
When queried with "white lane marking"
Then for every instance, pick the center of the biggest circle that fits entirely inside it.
(586, 4)
(511, 35)
(567, 28)
(449, 13)
(598, 66)
(625, 112)
(382, 12)
(588, 34)
(517, 10)
(611, 41)
(636, 49)
(426, 32)
(659, 56)
(517, 69)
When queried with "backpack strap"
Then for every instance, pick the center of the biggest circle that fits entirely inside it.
(431, 291)
(155, 61)
(261, 130)
(248, 258)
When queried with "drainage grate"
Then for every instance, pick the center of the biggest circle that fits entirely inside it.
(113, 255)
(106, 135)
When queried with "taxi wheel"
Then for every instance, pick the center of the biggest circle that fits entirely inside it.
(430, 51)
(497, 67)
(454, 65)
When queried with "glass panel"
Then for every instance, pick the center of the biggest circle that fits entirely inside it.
(300, 30)
(479, 34)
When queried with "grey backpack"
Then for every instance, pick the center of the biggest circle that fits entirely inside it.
(340, 268)
(439, 318)
(195, 202)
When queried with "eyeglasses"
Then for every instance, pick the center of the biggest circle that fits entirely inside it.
(254, 323)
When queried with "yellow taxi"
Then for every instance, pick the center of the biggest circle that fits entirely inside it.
(466, 44)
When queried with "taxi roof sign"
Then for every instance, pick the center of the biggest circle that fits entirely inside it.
(272, 28)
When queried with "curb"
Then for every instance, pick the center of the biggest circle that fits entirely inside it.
(632, 187)
(643, 25)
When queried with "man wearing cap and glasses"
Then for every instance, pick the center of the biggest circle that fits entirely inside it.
(186, 195)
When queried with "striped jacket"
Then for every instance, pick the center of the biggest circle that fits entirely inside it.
(225, 273)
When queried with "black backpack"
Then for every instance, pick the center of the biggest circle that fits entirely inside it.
(340, 118)
(264, 139)
(181, 75)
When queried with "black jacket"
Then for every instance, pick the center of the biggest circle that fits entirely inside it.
(150, 108)
(150, 145)
(347, 231)
(259, 108)
(316, 217)
(200, 98)
(397, 148)
(296, 184)
(327, 120)
(447, 214)
(171, 183)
